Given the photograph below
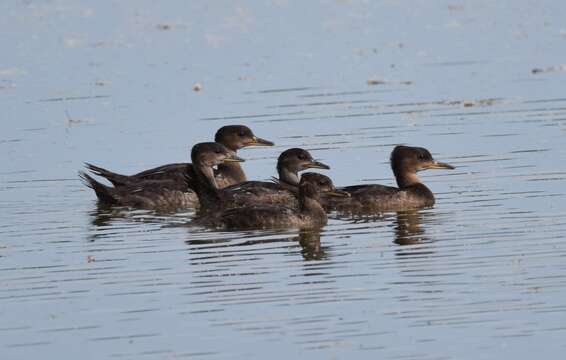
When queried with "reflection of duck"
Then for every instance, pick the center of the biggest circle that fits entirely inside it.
(103, 215)
(310, 244)
(408, 229)
(406, 161)
(309, 214)
(106, 220)
(151, 194)
(282, 192)
(233, 137)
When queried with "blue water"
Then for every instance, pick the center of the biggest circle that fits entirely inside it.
(479, 276)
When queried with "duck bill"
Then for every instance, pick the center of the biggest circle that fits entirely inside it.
(317, 165)
(234, 158)
(438, 165)
(256, 141)
(338, 193)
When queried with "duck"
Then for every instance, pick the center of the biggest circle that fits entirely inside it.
(233, 137)
(283, 191)
(308, 215)
(151, 194)
(411, 193)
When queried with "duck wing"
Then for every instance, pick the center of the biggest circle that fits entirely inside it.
(174, 173)
(371, 190)
(365, 198)
(258, 217)
(164, 172)
(258, 192)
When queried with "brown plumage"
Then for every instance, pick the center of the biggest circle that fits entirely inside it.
(159, 194)
(406, 161)
(284, 191)
(308, 214)
(233, 137)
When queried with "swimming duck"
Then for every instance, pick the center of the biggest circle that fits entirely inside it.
(406, 161)
(284, 191)
(309, 214)
(233, 137)
(151, 194)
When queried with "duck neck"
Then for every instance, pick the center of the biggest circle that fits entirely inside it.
(410, 182)
(205, 185)
(232, 171)
(288, 176)
(406, 179)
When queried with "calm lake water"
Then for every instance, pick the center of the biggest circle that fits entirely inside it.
(482, 275)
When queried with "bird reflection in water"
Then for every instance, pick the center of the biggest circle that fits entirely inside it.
(107, 220)
(406, 223)
(101, 217)
(408, 230)
(310, 245)
(309, 240)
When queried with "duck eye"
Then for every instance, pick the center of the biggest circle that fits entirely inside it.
(242, 133)
(218, 151)
(302, 157)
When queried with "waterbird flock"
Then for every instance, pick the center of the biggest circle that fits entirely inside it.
(216, 184)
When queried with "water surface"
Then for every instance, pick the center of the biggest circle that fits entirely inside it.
(480, 275)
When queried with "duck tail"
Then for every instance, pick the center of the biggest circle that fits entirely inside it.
(114, 178)
(103, 192)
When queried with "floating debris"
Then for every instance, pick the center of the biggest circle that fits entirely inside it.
(90, 259)
(74, 121)
(382, 82)
(164, 26)
(471, 103)
(69, 98)
(549, 69)
(197, 87)
(455, 7)
(102, 82)
(375, 82)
